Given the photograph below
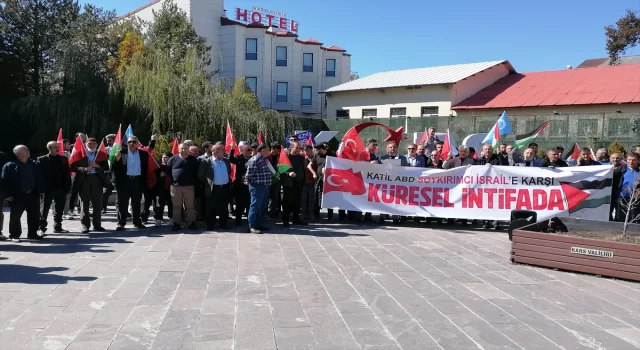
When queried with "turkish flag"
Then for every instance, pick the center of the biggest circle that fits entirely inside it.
(352, 146)
(339, 180)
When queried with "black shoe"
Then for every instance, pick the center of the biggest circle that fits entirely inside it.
(140, 226)
(300, 222)
(175, 227)
(485, 225)
(129, 215)
(193, 227)
(35, 237)
(223, 227)
(104, 211)
(210, 227)
(99, 229)
(285, 224)
(85, 230)
(120, 228)
(264, 228)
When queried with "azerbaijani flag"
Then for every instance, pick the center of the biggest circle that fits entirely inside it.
(117, 145)
(524, 140)
(284, 164)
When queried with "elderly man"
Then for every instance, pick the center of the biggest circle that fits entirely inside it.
(602, 156)
(462, 159)
(23, 185)
(240, 190)
(90, 179)
(183, 171)
(258, 178)
(57, 183)
(529, 159)
(392, 153)
(215, 173)
(130, 170)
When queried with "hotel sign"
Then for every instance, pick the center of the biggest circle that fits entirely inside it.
(266, 17)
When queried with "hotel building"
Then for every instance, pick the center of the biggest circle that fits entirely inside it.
(286, 73)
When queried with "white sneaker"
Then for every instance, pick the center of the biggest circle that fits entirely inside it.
(17, 240)
(158, 222)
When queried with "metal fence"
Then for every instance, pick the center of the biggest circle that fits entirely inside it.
(593, 130)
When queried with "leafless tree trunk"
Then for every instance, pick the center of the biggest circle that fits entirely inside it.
(631, 206)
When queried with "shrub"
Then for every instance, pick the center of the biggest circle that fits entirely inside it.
(617, 147)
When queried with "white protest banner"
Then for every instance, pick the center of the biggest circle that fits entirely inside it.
(476, 192)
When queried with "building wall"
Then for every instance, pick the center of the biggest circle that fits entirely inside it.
(584, 109)
(383, 100)
(441, 96)
(228, 45)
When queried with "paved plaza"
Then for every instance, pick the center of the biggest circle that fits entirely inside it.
(325, 286)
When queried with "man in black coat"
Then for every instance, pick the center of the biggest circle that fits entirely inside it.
(90, 180)
(240, 189)
(215, 173)
(130, 172)
(23, 184)
(292, 184)
(57, 183)
(618, 171)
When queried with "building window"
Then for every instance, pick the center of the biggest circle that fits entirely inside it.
(342, 113)
(251, 50)
(366, 113)
(397, 112)
(281, 56)
(619, 126)
(557, 128)
(306, 95)
(587, 127)
(252, 83)
(307, 62)
(281, 92)
(429, 111)
(331, 68)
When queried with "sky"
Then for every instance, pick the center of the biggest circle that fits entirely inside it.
(381, 36)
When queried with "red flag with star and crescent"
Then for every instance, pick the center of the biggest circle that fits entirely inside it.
(352, 147)
(339, 180)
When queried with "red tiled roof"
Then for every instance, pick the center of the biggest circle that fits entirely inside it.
(310, 41)
(137, 10)
(334, 48)
(585, 86)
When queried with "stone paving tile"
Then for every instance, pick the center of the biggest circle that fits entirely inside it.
(325, 286)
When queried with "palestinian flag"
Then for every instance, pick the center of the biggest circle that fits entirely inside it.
(525, 139)
(117, 145)
(574, 154)
(284, 164)
(588, 195)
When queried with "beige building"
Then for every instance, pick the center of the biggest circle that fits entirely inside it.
(418, 92)
(263, 47)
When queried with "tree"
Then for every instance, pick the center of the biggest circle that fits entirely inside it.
(30, 31)
(630, 207)
(354, 76)
(172, 34)
(617, 147)
(622, 36)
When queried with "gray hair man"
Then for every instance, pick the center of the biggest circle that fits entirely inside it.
(57, 183)
(24, 183)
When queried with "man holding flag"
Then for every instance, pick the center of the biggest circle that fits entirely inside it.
(90, 165)
(500, 128)
(130, 169)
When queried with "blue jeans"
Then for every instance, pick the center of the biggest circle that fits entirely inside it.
(259, 199)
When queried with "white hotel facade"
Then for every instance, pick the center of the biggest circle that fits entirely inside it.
(286, 72)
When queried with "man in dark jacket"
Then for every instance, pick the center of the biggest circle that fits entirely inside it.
(90, 180)
(618, 171)
(215, 173)
(585, 158)
(240, 189)
(554, 160)
(292, 184)
(130, 173)
(57, 183)
(488, 157)
(23, 185)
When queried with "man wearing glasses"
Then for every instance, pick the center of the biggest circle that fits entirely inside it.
(90, 180)
(129, 170)
(413, 158)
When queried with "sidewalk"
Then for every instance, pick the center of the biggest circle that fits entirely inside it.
(326, 286)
